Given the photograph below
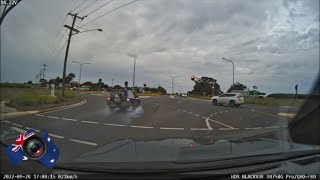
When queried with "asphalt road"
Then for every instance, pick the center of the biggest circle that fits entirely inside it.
(89, 126)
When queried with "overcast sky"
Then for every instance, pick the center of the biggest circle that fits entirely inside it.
(274, 44)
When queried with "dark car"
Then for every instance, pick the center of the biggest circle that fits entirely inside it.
(123, 99)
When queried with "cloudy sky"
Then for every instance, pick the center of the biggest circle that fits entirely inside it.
(274, 44)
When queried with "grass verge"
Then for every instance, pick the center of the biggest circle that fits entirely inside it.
(200, 97)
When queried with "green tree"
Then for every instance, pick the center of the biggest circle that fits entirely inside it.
(29, 82)
(204, 85)
(237, 86)
(161, 90)
(43, 82)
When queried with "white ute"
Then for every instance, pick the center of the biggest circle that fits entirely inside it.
(232, 99)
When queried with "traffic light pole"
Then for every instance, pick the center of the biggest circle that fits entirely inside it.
(67, 51)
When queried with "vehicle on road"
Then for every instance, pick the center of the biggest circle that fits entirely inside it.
(184, 95)
(123, 99)
(231, 99)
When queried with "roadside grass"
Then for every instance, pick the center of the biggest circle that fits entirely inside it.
(266, 101)
(148, 94)
(32, 96)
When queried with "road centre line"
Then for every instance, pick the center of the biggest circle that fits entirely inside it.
(52, 117)
(166, 128)
(197, 115)
(190, 112)
(18, 130)
(253, 128)
(90, 122)
(215, 113)
(69, 119)
(184, 111)
(228, 129)
(17, 125)
(146, 127)
(57, 136)
(200, 129)
(39, 115)
(84, 142)
(221, 123)
(113, 124)
(270, 127)
(211, 115)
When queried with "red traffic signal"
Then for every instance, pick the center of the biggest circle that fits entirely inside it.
(144, 84)
(193, 77)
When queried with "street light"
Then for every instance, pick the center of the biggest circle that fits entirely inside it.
(134, 68)
(232, 68)
(172, 80)
(87, 31)
(80, 71)
(67, 50)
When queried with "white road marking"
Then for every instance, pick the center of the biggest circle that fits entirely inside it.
(18, 130)
(208, 124)
(253, 128)
(179, 109)
(200, 129)
(166, 128)
(221, 112)
(215, 113)
(113, 124)
(39, 115)
(57, 136)
(270, 127)
(52, 117)
(211, 115)
(203, 117)
(6, 121)
(221, 123)
(90, 122)
(67, 119)
(83, 142)
(142, 127)
(223, 129)
(196, 114)
(225, 111)
(17, 125)
(190, 112)
(184, 111)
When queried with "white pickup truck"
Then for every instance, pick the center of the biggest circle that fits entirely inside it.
(232, 99)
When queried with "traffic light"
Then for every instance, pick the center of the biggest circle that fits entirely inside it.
(296, 87)
(145, 85)
(126, 83)
(193, 78)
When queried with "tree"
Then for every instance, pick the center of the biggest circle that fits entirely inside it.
(204, 86)
(43, 82)
(117, 87)
(29, 82)
(161, 90)
(237, 86)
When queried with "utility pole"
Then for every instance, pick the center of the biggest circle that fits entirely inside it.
(67, 50)
(44, 68)
(112, 83)
(134, 72)
(40, 74)
(5, 11)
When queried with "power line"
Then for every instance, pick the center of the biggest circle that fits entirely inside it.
(87, 6)
(50, 50)
(99, 7)
(110, 12)
(78, 6)
(55, 58)
(52, 54)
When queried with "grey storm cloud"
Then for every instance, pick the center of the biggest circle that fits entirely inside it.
(265, 39)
